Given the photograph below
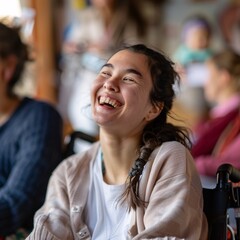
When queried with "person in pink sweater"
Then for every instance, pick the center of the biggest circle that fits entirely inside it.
(217, 140)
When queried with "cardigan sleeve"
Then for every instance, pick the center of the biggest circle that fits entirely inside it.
(38, 151)
(173, 194)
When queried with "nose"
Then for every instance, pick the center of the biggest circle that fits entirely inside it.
(111, 84)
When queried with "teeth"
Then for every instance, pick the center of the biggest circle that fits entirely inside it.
(107, 100)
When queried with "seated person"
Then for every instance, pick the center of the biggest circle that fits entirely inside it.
(195, 41)
(139, 181)
(195, 48)
(30, 137)
(217, 140)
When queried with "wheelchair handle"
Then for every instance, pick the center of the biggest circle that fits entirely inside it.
(227, 172)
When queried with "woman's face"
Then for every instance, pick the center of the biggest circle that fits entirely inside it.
(120, 93)
(213, 84)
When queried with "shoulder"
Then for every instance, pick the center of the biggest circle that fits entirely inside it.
(172, 148)
(181, 54)
(38, 104)
(74, 172)
(39, 107)
(172, 158)
(80, 162)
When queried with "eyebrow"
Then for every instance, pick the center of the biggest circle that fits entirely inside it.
(129, 70)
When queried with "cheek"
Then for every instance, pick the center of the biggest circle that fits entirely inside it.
(140, 102)
(210, 89)
(95, 87)
(137, 97)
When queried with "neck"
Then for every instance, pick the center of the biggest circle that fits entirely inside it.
(119, 154)
(7, 107)
(227, 95)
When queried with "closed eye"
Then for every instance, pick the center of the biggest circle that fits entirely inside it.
(129, 79)
(106, 74)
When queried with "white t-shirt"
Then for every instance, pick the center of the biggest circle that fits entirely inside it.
(106, 217)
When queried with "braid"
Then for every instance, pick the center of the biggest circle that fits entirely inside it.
(132, 190)
(159, 130)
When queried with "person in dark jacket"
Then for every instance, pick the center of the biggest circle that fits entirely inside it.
(30, 141)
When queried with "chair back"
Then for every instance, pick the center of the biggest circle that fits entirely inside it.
(218, 200)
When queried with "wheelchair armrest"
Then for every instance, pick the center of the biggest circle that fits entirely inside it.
(234, 173)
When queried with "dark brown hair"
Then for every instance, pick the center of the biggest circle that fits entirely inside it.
(11, 44)
(158, 130)
(230, 61)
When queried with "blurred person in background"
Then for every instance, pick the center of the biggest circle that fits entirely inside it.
(195, 45)
(31, 141)
(229, 21)
(217, 140)
(190, 56)
(99, 29)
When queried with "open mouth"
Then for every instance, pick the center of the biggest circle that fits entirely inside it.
(108, 102)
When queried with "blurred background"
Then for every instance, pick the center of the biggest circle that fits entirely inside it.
(49, 27)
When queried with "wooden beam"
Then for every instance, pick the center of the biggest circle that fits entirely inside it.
(44, 41)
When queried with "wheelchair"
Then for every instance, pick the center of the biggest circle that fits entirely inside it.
(217, 202)
(70, 141)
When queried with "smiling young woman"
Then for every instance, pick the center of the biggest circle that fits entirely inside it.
(139, 181)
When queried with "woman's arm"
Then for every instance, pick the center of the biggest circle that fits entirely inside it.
(208, 164)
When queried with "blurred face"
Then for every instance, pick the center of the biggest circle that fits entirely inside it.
(103, 3)
(197, 38)
(3, 70)
(5, 75)
(213, 84)
(120, 94)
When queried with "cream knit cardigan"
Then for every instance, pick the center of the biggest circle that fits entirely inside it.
(170, 184)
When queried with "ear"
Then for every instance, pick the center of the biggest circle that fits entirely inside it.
(154, 111)
(9, 67)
